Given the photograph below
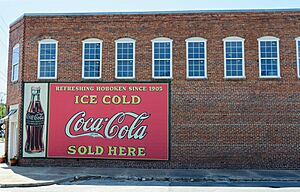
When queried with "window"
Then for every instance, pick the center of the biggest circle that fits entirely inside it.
(269, 57)
(92, 59)
(196, 58)
(47, 67)
(298, 55)
(162, 58)
(234, 66)
(125, 58)
(15, 63)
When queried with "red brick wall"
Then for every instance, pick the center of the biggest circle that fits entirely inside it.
(215, 123)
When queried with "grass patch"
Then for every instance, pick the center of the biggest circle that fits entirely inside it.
(2, 140)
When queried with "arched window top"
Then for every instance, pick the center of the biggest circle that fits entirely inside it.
(125, 40)
(92, 40)
(16, 46)
(195, 39)
(268, 38)
(233, 38)
(297, 38)
(48, 41)
(160, 39)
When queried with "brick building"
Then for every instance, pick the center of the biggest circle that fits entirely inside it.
(233, 78)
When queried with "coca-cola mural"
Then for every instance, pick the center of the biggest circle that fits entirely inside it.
(34, 120)
(105, 121)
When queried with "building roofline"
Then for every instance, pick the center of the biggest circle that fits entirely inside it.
(153, 12)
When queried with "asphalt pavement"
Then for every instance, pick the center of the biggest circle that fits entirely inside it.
(16, 176)
(119, 182)
(88, 188)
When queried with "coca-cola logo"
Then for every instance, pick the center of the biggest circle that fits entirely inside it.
(79, 125)
(35, 118)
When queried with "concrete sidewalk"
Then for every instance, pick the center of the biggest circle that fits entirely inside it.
(39, 176)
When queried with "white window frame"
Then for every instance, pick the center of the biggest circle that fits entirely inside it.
(269, 38)
(200, 40)
(91, 40)
(14, 64)
(163, 40)
(297, 56)
(234, 39)
(48, 41)
(124, 40)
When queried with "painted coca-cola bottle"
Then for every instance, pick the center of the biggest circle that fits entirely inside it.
(35, 123)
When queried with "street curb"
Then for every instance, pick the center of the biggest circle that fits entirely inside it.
(184, 179)
(37, 184)
(135, 178)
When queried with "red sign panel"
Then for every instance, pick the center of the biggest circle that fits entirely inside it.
(108, 120)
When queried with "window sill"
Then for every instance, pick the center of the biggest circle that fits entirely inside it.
(162, 78)
(273, 77)
(196, 78)
(50, 77)
(124, 78)
(92, 78)
(234, 78)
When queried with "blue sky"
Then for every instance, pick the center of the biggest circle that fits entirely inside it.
(10, 10)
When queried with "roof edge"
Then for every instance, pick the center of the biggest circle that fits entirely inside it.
(152, 12)
(17, 20)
